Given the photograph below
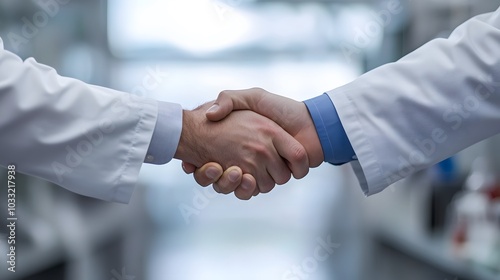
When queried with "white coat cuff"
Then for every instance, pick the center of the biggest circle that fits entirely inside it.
(367, 169)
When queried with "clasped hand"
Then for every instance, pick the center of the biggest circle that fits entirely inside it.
(247, 141)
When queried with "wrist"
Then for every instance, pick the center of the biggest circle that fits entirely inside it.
(312, 143)
(335, 144)
(188, 137)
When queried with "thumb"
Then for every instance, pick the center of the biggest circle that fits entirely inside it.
(230, 100)
(221, 108)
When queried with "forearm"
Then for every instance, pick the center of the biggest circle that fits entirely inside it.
(88, 139)
(408, 115)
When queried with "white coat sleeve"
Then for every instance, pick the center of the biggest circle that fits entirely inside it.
(88, 139)
(408, 115)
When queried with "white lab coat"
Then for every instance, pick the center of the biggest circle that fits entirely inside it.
(436, 101)
(400, 118)
(88, 139)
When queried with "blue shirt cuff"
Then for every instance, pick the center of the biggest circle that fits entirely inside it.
(336, 146)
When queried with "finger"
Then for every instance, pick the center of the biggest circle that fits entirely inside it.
(188, 167)
(247, 187)
(216, 189)
(265, 183)
(278, 169)
(230, 100)
(208, 174)
(229, 181)
(293, 152)
(256, 192)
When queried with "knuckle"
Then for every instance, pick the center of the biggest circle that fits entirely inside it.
(258, 92)
(298, 154)
(224, 94)
(261, 150)
(269, 129)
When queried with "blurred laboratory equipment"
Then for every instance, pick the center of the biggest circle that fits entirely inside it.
(475, 228)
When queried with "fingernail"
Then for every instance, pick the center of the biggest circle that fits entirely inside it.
(212, 173)
(245, 185)
(234, 176)
(213, 108)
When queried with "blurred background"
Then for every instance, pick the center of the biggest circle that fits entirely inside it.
(442, 223)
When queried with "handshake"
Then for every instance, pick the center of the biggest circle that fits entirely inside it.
(247, 141)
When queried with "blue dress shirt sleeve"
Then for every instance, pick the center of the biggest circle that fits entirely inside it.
(336, 146)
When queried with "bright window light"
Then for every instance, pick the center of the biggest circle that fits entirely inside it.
(194, 26)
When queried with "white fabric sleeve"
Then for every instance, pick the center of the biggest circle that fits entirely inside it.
(408, 115)
(88, 139)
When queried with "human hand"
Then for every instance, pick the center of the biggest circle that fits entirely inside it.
(244, 142)
(292, 115)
